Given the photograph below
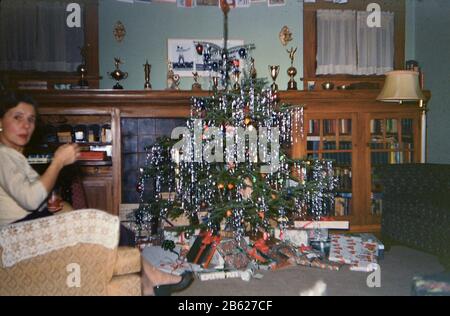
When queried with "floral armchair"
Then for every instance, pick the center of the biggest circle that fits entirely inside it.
(73, 253)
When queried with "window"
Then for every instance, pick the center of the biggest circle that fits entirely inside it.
(347, 45)
(361, 71)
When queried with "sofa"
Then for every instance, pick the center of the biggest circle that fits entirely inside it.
(416, 206)
(74, 253)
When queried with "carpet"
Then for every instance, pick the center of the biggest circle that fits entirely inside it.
(398, 268)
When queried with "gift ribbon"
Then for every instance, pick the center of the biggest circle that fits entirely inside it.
(260, 244)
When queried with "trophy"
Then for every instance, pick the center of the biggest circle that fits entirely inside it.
(147, 68)
(173, 80)
(292, 85)
(82, 69)
(196, 85)
(274, 71)
(236, 76)
(118, 74)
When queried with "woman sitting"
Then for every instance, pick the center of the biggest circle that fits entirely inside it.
(23, 192)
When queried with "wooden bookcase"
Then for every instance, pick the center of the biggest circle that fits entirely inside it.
(350, 127)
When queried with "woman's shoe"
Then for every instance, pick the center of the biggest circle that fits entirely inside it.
(167, 289)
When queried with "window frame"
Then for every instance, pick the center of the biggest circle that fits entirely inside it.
(310, 39)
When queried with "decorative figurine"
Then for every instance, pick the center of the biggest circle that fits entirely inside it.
(285, 35)
(196, 86)
(274, 71)
(118, 74)
(292, 85)
(147, 69)
(173, 80)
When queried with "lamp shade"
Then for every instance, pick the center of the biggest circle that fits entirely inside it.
(401, 85)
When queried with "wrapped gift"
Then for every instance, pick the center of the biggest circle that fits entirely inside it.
(297, 237)
(434, 285)
(351, 250)
(310, 257)
(203, 249)
(233, 253)
(328, 224)
(366, 237)
(167, 261)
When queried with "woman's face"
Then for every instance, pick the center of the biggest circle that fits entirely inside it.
(18, 126)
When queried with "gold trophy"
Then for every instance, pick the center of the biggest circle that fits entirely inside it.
(274, 71)
(118, 74)
(292, 85)
(147, 69)
(196, 86)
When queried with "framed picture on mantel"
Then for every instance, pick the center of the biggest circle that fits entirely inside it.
(188, 55)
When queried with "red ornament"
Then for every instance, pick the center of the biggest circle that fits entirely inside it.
(199, 48)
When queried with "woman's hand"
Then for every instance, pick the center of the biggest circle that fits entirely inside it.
(66, 154)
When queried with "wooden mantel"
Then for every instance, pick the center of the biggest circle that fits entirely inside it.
(140, 103)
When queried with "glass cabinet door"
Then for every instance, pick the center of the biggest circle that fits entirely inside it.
(332, 138)
(392, 141)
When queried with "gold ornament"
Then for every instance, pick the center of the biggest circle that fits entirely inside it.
(285, 35)
(119, 31)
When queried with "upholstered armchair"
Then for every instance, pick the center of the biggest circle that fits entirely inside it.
(416, 206)
(73, 253)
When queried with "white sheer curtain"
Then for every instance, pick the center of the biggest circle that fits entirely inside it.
(375, 44)
(336, 42)
(347, 45)
(34, 36)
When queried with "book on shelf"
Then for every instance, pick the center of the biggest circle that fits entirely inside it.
(329, 127)
(102, 148)
(346, 127)
(92, 155)
(64, 137)
(376, 126)
(391, 126)
(344, 178)
(343, 204)
(313, 128)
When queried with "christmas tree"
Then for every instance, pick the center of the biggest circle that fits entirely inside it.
(228, 168)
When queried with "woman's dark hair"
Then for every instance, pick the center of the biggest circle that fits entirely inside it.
(10, 99)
